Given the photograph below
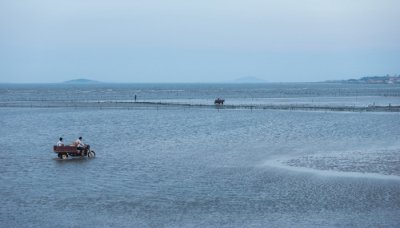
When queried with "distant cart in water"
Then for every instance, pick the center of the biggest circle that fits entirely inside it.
(219, 101)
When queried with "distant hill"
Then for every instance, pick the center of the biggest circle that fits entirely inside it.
(249, 80)
(372, 80)
(82, 81)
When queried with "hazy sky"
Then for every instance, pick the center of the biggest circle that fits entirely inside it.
(197, 41)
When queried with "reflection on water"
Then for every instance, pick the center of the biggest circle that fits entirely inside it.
(374, 161)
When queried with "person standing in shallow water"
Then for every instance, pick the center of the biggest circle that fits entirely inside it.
(60, 142)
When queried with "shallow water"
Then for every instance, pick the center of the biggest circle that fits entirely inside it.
(199, 168)
(234, 94)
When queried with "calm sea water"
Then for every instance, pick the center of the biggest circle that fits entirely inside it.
(200, 167)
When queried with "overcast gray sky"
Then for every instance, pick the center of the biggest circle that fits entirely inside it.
(197, 41)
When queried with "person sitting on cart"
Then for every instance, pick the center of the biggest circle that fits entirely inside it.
(60, 142)
(80, 145)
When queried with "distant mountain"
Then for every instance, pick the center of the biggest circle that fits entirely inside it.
(82, 81)
(249, 80)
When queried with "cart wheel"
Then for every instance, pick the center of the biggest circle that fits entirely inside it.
(64, 156)
(91, 154)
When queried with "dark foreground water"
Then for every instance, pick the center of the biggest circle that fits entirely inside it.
(200, 168)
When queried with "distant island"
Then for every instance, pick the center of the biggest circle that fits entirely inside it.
(388, 79)
(82, 81)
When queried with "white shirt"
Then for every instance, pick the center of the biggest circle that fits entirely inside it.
(60, 143)
(79, 143)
